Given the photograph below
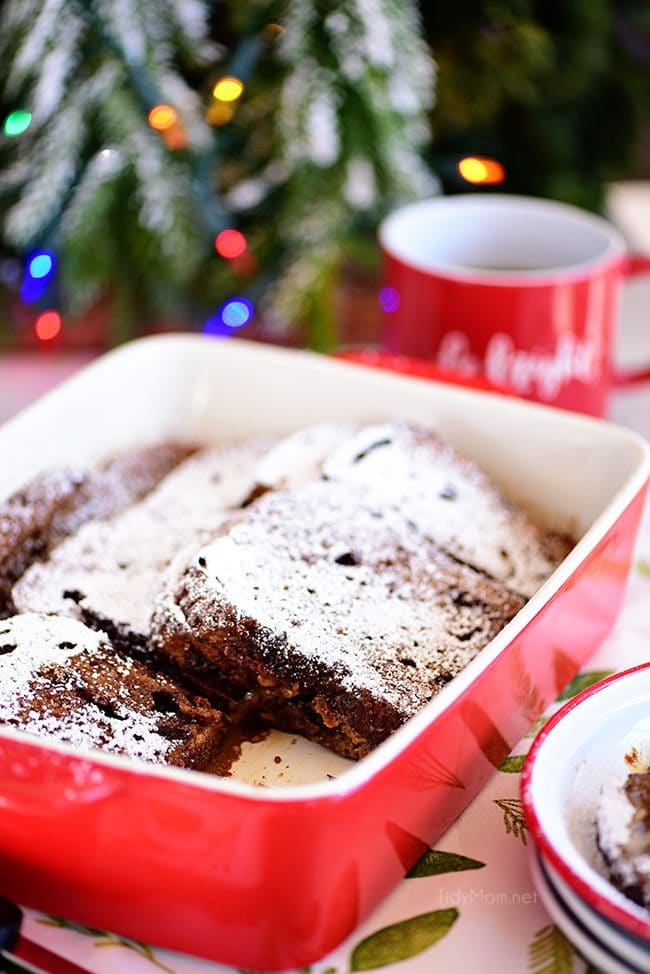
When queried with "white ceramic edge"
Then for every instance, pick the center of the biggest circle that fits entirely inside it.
(567, 850)
(615, 243)
(556, 910)
(353, 778)
(633, 951)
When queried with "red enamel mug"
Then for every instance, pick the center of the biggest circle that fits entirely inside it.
(522, 291)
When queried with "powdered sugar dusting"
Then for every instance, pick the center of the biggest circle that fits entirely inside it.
(48, 666)
(54, 504)
(19, 511)
(615, 814)
(29, 641)
(338, 580)
(451, 501)
(374, 560)
(624, 833)
(113, 568)
(297, 459)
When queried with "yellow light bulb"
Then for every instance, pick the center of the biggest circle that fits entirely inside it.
(228, 89)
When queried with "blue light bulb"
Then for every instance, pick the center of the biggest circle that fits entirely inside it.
(236, 313)
(40, 264)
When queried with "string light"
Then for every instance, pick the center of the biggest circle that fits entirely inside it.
(219, 113)
(17, 122)
(237, 312)
(230, 243)
(32, 289)
(389, 299)
(38, 270)
(215, 327)
(41, 264)
(162, 117)
(234, 313)
(477, 169)
(228, 89)
(47, 326)
(175, 138)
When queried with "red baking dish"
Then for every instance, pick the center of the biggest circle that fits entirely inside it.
(274, 877)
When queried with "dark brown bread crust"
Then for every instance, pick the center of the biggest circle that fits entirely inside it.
(229, 666)
(54, 504)
(194, 728)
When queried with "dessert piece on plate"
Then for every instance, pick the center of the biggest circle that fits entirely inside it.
(623, 828)
(54, 504)
(61, 680)
(330, 611)
(451, 501)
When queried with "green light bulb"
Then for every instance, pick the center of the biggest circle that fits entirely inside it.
(17, 122)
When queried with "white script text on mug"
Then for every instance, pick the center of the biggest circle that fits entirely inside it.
(526, 371)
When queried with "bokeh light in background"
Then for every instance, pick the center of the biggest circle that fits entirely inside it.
(228, 89)
(40, 264)
(175, 138)
(479, 170)
(17, 122)
(389, 299)
(47, 326)
(32, 289)
(233, 314)
(39, 268)
(219, 113)
(230, 243)
(162, 117)
(245, 265)
(237, 312)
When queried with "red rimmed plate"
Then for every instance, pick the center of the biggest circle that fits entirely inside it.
(580, 750)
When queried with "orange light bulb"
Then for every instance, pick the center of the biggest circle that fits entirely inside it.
(479, 170)
(162, 117)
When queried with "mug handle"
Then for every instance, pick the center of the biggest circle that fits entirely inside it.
(634, 265)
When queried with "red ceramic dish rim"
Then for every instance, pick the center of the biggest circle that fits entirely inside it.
(602, 904)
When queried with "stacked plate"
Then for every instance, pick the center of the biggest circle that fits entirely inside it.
(592, 744)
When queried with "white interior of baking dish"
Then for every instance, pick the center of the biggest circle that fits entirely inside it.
(574, 473)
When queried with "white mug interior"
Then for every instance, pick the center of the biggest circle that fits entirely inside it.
(517, 237)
